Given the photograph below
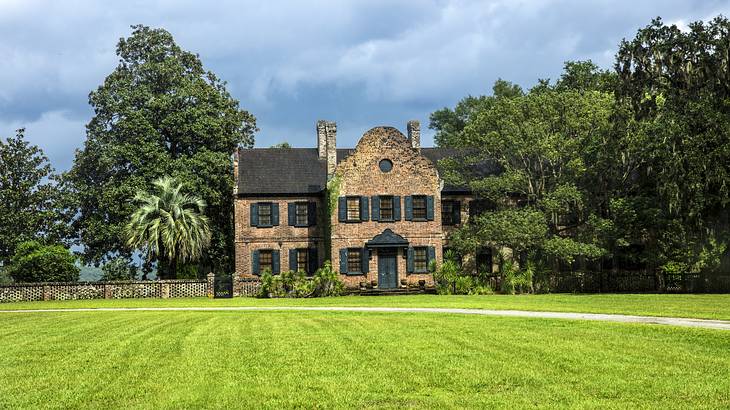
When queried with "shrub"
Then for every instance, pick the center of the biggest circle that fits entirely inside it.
(118, 268)
(450, 280)
(515, 280)
(325, 282)
(35, 262)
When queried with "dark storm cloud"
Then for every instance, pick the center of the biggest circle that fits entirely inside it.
(361, 63)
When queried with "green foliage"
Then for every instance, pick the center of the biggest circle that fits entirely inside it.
(281, 145)
(36, 262)
(35, 203)
(451, 280)
(169, 226)
(119, 268)
(325, 282)
(516, 280)
(160, 112)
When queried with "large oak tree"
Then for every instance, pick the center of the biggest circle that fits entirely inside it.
(160, 112)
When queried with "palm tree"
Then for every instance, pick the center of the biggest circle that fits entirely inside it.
(169, 225)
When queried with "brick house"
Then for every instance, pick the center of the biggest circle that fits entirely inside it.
(379, 212)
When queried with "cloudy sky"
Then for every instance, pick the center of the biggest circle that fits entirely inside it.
(360, 63)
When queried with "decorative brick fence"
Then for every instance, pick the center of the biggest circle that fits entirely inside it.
(181, 288)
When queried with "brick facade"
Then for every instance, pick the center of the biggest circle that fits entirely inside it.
(347, 173)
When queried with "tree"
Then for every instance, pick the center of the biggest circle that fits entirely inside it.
(158, 113)
(541, 142)
(36, 262)
(449, 123)
(281, 145)
(118, 268)
(34, 202)
(676, 85)
(169, 226)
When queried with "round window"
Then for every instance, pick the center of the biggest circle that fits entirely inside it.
(386, 165)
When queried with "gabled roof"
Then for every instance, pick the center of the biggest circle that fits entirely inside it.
(289, 171)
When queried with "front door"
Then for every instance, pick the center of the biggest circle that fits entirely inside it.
(387, 269)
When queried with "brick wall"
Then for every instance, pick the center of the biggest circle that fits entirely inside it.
(412, 174)
(282, 237)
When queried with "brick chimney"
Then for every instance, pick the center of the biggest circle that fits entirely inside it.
(235, 172)
(327, 144)
(414, 134)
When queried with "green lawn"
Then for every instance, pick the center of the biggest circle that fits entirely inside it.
(691, 306)
(345, 359)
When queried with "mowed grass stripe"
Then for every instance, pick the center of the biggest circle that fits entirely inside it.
(665, 305)
(343, 359)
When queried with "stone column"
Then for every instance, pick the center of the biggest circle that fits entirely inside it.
(211, 284)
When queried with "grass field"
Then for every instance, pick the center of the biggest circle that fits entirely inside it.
(346, 359)
(690, 306)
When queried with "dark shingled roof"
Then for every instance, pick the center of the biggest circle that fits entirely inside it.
(299, 170)
(280, 171)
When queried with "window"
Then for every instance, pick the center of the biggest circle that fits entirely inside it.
(419, 207)
(302, 217)
(420, 259)
(484, 260)
(450, 212)
(353, 208)
(386, 208)
(302, 260)
(266, 260)
(354, 260)
(385, 165)
(264, 214)
(480, 206)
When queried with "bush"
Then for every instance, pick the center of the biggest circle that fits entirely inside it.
(515, 280)
(118, 268)
(35, 262)
(325, 282)
(450, 280)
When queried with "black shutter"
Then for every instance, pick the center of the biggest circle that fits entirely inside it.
(431, 256)
(409, 208)
(292, 260)
(312, 213)
(275, 262)
(409, 260)
(364, 208)
(376, 208)
(313, 261)
(254, 214)
(292, 213)
(341, 209)
(396, 208)
(255, 263)
(429, 207)
(343, 261)
(275, 214)
(457, 212)
(365, 260)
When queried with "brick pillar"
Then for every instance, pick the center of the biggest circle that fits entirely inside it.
(331, 148)
(46, 292)
(165, 290)
(235, 172)
(211, 284)
(414, 134)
